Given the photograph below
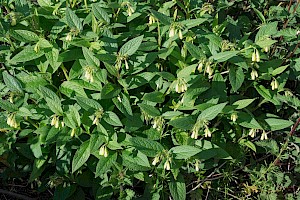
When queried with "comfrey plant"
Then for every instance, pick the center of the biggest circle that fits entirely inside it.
(151, 99)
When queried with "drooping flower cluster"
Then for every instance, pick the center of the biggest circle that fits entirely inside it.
(103, 151)
(274, 84)
(56, 123)
(174, 30)
(255, 56)
(158, 123)
(98, 114)
(88, 74)
(180, 85)
(254, 74)
(11, 120)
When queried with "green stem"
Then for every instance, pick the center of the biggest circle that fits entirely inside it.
(159, 36)
(65, 71)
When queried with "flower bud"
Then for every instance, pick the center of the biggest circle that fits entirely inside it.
(253, 56)
(197, 165)
(36, 48)
(105, 152)
(126, 65)
(56, 125)
(180, 34)
(73, 132)
(101, 150)
(8, 121)
(257, 57)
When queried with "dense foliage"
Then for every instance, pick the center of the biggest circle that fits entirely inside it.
(183, 99)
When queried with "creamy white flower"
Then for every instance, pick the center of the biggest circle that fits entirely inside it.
(180, 34)
(264, 136)
(73, 132)
(167, 165)
(254, 74)
(252, 132)
(207, 132)
(234, 116)
(274, 84)
(156, 160)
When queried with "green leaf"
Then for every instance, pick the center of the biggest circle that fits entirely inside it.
(25, 35)
(24, 112)
(100, 13)
(73, 117)
(135, 161)
(265, 43)
(72, 88)
(26, 54)
(266, 31)
(211, 112)
(236, 78)
(123, 104)
(248, 121)
(265, 93)
(109, 91)
(155, 96)
(243, 103)
(224, 56)
(87, 103)
(130, 47)
(184, 151)
(279, 70)
(162, 17)
(112, 119)
(148, 147)
(211, 150)
(12, 83)
(72, 20)
(194, 51)
(52, 57)
(184, 123)
(48, 93)
(260, 15)
(150, 110)
(90, 58)
(54, 105)
(278, 124)
(81, 156)
(190, 23)
(6, 105)
(178, 188)
(104, 164)
(186, 72)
